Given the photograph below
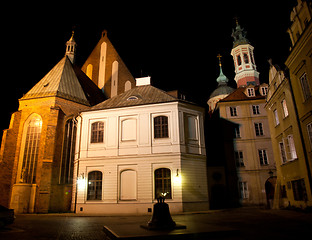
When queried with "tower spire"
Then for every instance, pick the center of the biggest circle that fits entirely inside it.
(222, 79)
(243, 56)
(71, 48)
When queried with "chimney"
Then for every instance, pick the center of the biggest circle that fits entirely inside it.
(143, 81)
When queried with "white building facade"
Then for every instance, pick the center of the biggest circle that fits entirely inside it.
(136, 145)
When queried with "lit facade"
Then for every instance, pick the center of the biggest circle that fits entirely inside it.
(37, 150)
(290, 107)
(253, 153)
(292, 176)
(139, 144)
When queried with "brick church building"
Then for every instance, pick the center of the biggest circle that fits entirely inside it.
(37, 150)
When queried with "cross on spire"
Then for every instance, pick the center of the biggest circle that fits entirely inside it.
(219, 56)
(236, 20)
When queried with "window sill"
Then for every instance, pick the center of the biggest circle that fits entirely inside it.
(289, 161)
(94, 201)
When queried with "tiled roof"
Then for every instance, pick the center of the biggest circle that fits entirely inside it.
(239, 95)
(136, 96)
(68, 82)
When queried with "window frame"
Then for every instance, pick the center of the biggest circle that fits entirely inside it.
(255, 109)
(233, 111)
(166, 182)
(246, 58)
(163, 132)
(98, 136)
(305, 88)
(237, 132)
(239, 60)
(285, 108)
(283, 152)
(264, 91)
(251, 92)
(243, 188)
(260, 129)
(292, 148)
(309, 132)
(26, 142)
(239, 158)
(276, 118)
(68, 152)
(97, 197)
(263, 157)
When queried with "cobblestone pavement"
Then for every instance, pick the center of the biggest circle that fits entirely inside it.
(252, 223)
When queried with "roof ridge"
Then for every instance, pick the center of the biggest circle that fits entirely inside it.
(148, 94)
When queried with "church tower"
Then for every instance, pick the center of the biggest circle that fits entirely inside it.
(71, 48)
(222, 91)
(244, 61)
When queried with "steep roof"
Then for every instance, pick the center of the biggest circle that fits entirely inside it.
(69, 82)
(136, 96)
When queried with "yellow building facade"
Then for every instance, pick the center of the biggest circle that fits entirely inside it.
(292, 175)
(299, 63)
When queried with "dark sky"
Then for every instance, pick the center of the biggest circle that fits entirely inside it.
(175, 43)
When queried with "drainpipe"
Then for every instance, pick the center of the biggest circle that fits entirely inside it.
(78, 157)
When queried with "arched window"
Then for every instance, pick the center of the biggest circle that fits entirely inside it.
(239, 60)
(90, 71)
(246, 59)
(97, 132)
(94, 185)
(161, 127)
(68, 152)
(127, 85)
(163, 182)
(128, 185)
(31, 150)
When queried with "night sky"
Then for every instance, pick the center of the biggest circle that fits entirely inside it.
(175, 43)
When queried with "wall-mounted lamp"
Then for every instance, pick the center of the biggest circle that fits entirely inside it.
(178, 178)
(81, 181)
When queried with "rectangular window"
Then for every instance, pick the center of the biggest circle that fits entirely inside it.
(291, 146)
(299, 190)
(263, 157)
(243, 186)
(251, 92)
(309, 129)
(259, 129)
(276, 119)
(233, 111)
(305, 87)
(97, 132)
(282, 152)
(237, 132)
(255, 109)
(239, 159)
(246, 59)
(161, 127)
(264, 91)
(192, 133)
(239, 60)
(94, 185)
(163, 183)
(285, 109)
